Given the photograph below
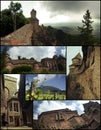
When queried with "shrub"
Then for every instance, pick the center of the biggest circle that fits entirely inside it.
(5, 71)
(60, 67)
(44, 71)
(21, 69)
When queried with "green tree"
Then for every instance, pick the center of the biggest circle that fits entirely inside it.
(38, 90)
(15, 7)
(2, 59)
(19, 57)
(7, 21)
(86, 30)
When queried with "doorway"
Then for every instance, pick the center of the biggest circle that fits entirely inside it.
(17, 121)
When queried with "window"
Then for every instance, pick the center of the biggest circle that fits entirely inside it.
(11, 118)
(10, 106)
(73, 121)
(16, 107)
(59, 117)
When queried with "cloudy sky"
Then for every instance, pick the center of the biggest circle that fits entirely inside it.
(72, 51)
(17, 76)
(42, 106)
(55, 80)
(59, 11)
(37, 52)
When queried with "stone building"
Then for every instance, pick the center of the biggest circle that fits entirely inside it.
(31, 34)
(8, 89)
(34, 21)
(92, 115)
(14, 112)
(3, 109)
(58, 119)
(68, 119)
(23, 35)
(50, 64)
(57, 63)
(76, 63)
(84, 76)
(10, 84)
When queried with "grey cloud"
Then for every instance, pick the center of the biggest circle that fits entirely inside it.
(61, 51)
(37, 52)
(56, 7)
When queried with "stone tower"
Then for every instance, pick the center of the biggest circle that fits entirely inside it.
(34, 20)
(87, 77)
(11, 84)
(76, 63)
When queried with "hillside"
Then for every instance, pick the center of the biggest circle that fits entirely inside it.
(46, 89)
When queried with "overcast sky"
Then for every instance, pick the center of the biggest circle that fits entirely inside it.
(59, 11)
(55, 80)
(43, 106)
(72, 51)
(37, 52)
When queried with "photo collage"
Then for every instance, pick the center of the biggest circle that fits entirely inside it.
(50, 65)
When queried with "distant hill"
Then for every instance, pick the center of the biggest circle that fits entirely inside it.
(69, 30)
(46, 89)
(73, 34)
(46, 35)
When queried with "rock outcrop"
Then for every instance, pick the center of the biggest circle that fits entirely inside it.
(83, 81)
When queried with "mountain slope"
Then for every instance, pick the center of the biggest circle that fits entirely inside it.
(46, 89)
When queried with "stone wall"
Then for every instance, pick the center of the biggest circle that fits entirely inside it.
(86, 82)
(67, 119)
(11, 84)
(14, 112)
(49, 64)
(3, 108)
(58, 119)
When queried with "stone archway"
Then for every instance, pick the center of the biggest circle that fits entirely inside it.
(6, 93)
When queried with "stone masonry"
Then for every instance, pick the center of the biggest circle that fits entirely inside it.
(83, 81)
(57, 63)
(68, 119)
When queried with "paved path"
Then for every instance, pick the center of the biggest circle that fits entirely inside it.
(16, 128)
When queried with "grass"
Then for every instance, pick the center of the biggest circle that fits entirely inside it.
(47, 96)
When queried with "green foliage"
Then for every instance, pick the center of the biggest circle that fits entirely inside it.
(63, 38)
(2, 60)
(5, 71)
(59, 35)
(44, 71)
(22, 69)
(86, 30)
(23, 58)
(43, 95)
(8, 21)
(15, 7)
(19, 57)
(60, 67)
